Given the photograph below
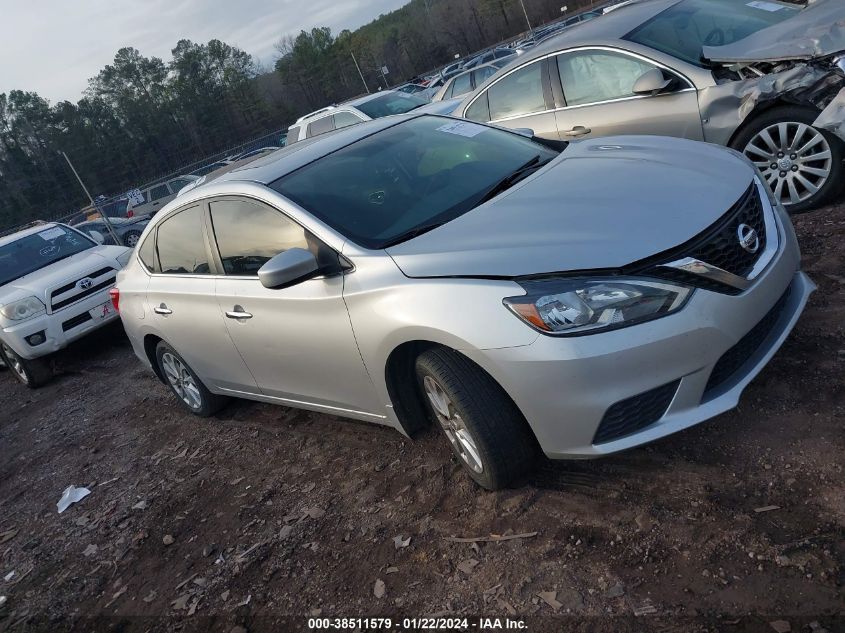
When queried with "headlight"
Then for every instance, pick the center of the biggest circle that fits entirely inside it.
(23, 309)
(585, 306)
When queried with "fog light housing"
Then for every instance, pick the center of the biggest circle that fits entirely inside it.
(36, 339)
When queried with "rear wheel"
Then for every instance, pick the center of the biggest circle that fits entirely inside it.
(32, 373)
(483, 426)
(185, 384)
(801, 164)
(131, 238)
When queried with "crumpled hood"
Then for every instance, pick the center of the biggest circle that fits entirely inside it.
(816, 31)
(603, 203)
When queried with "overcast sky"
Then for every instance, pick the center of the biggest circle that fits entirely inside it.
(54, 46)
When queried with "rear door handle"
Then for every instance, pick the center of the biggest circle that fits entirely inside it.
(162, 309)
(238, 313)
(578, 130)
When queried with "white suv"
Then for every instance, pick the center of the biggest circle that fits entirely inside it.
(54, 289)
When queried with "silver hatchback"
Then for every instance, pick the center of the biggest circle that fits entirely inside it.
(574, 300)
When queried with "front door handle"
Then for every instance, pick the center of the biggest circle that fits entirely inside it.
(578, 130)
(238, 313)
(162, 309)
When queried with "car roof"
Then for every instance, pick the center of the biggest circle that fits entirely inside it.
(30, 230)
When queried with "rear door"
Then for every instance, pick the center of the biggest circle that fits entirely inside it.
(182, 304)
(598, 98)
(297, 341)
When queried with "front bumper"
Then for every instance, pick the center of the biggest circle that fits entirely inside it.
(566, 386)
(59, 328)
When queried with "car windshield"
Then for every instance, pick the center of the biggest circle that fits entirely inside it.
(37, 250)
(393, 103)
(410, 177)
(683, 29)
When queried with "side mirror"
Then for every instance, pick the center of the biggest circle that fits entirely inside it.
(292, 266)
(97, 237)
(652, 83)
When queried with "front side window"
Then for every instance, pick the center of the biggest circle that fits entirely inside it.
(345, 119)
(39, 250)
(320, 126)
(249, 233)
(391, 103)
(517, 94)
(180, 243)
(409, 177)
(592, 76)
(159, 192)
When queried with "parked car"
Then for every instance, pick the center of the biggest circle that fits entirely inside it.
(468, 81)
(651, 68)
(410, 88)
(54, 289)
(157, 196)
(128, 230)
(260, 151)
(207, 169)
(490, 56)
(373, 106)
(465, 274)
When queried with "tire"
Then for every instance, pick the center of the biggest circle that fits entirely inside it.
(130, 238)
(185, 384)
(793, 140)
(486, 431)
(32, 373)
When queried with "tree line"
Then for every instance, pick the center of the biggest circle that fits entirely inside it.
(142, 118)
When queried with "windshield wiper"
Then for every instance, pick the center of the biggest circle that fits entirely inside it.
(407, 235)
(511, 179)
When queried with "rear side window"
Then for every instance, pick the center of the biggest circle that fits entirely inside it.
(517, 94)
(248, 234)
(159, 192)
(482, 74)
(345, 119)
(147, 253)
(293, 135)
(594, 76)
(462, 85)
(176, 185)
(320, 126)
(181, 246)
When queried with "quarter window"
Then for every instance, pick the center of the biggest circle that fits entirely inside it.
(320, 126)
(293, 135)
(159, 192)
(594, 76)
(463, 84)
(176, 185)
(345, 119)
(147, 253)
(248, 234)
(517, 94)
(181, 247)
(479, 110)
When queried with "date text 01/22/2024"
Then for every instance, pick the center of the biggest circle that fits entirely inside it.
(417, 624)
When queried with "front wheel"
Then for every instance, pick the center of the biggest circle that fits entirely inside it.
(801, 164)
(185, 384)
(484, 428)
(32, 373)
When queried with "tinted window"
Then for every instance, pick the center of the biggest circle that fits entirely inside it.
(159, 192)
(417, 173)
(482, 74)
(37, 250)
(521, 92)
(500, 54)
(591, 76)
(391, 103)
(479, 111)
(293, 135)
(345, 119)
(176, 185)
(248, 234)
(684, 28)
(462, 85)
(147, 253)
(181, 248)
(320, 126)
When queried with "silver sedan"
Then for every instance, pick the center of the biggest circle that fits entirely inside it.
(424, 268)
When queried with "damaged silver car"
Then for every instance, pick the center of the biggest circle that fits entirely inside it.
(766, 78)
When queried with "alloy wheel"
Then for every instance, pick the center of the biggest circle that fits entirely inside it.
(181, 380)
(456, 431)
(132, 240)
(14, 363)
(794, 158)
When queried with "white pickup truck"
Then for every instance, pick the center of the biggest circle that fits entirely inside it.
(54, 289)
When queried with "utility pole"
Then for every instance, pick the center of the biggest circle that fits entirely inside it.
(359, 72)
(530, 28)
(93, 204)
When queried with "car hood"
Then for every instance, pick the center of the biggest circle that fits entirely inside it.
(602, 204)
(816, 31)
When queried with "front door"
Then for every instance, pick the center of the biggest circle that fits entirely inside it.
(297, 341)
(598, 90)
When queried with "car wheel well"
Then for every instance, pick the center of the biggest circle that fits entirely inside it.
(151, 341)
(759, 110)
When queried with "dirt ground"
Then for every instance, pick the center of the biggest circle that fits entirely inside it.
(265, 515)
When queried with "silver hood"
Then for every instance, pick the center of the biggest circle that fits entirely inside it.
(816, 31)
(602, 203)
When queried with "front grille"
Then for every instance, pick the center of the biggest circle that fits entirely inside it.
(634, 414)
(69, 293)
(77, 320)
(718, 246)
(736, 357)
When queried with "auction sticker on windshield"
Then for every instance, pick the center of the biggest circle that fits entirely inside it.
(51, 234)
(462, 128)
(765, 6)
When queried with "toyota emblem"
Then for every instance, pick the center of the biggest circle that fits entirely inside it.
(85, 284)
(748, 238)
